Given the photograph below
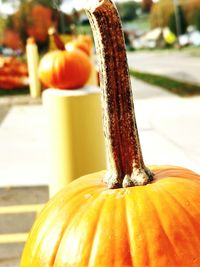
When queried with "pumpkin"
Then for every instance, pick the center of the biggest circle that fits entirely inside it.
(64, 69)
(13, 73)
(82, 42)
(86, 39)
(80, 45)
(131, 214)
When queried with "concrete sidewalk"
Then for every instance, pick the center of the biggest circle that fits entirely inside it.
(169, 133)
(175, 64)
(169, 127)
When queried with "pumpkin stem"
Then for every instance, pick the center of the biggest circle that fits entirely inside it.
(125, 162)
(57, 40)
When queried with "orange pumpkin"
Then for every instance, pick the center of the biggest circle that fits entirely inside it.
(82, 42)
(86, 39)
(79, 45)
(143, 216)
(65, 69)
(88, 224)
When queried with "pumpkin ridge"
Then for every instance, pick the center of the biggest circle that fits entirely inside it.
(54, 56)
(177, 174)
(70, 221)
(79, 213)
(54, 217)
(106, 198)
(187, 215)
(130, 226)
(177, 180)
(122, 256)
(128, 229)
(164, 170)
(157, 217)
(93, 239)
(56, 64)
(52, 201)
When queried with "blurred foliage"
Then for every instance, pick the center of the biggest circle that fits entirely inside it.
(197, 19)
(2, 26)
(47, 3)
(191, 9)
(33, 18)
(180, 16)
(146, 5)
(20, 91)
(128, 10)
(141, 23)
(162, 13)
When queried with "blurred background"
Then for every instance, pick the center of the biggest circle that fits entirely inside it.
(147, 23)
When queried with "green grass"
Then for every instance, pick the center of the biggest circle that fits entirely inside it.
(141, 23)
(192, 50)
(10, 92)
(84, 29)
(174, 86)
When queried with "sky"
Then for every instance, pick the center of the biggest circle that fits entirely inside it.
(67, 5)
(8, 7)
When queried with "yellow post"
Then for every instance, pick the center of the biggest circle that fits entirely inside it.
(33, 62)
(75, 134)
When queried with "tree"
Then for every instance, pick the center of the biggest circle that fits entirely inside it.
(160, 13)
(128, 10)
(34, 17)
(52, 4)
(177, 22)
(146, 5)
(197, 19)
(2, 28)
(191, 11)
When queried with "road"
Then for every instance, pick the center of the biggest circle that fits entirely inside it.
(179, 65)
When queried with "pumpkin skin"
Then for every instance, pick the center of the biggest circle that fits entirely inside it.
(86, 39)
(79, 44)
(87, 224)
(65, 69)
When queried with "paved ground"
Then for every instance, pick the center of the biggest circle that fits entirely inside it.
(170, 63)
(14, 222)
(169, 133)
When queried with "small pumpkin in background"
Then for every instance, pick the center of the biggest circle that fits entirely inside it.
(86, 39)
(129, 215)
(65, 69)
(13, 73)
(82, 42)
